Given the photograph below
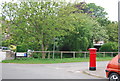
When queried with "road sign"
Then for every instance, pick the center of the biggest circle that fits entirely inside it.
(21, 54)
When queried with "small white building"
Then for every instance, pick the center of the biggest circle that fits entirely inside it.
(98, 44)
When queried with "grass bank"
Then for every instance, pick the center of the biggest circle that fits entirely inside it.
(51, 61)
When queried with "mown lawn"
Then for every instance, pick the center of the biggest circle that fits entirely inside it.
(50, 61)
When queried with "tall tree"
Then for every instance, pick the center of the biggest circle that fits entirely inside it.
(35, 22)
(91, 9)
(86, 30)
(97, 12)
(112, 29)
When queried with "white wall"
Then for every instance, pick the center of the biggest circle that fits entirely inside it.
(2, 55)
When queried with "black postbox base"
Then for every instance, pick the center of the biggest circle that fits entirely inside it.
(92, 68)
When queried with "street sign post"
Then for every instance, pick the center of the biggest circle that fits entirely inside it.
(20, 55)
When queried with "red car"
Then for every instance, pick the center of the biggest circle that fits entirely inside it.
(113, 69)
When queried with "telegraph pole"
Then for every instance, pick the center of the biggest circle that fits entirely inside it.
(118, 28)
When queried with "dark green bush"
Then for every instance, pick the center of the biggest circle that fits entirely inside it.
(22, 48)
(109, 47)
(37, 55)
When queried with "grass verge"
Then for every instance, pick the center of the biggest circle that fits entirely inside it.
(51, 61)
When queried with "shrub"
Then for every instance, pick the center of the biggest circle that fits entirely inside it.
(37, 55)
(22, 48)
(6, 43)
(109, 47)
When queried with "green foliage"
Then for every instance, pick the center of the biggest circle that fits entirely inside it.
(51, 61)
(36, 25)
(98, 14)
(86, 29)
(97, 11)
(84, 44)
(91, 9)
(22, 48)
(37, 22)
(103, 21)
(24, 58)
(109, 47)
(112, 31)
(0, 34)
(6, 43)
(36, 55)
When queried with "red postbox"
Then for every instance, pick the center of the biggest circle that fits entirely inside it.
(92, 65)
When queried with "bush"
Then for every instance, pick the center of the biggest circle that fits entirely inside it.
(37, 55)
(109, 47)
(6, 43)
(22, 48)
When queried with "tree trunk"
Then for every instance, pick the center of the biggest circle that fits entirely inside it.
(43, 53)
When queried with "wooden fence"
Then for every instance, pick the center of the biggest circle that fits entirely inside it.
(74, 53)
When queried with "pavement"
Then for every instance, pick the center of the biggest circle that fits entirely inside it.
(69, 67)
(79, 70)
(99, 72)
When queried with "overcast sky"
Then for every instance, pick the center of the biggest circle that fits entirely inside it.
(111, 7)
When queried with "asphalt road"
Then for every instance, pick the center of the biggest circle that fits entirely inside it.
(48, 71)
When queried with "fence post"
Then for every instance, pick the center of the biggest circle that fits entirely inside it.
(61, 55)
(112, 54)
(104, 54)
(49, 55)
(53, 55)
(73, 54)
(84, 54)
